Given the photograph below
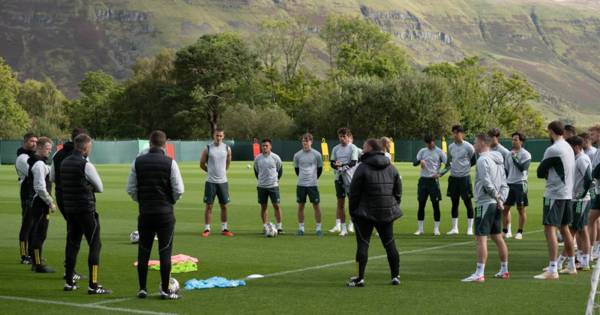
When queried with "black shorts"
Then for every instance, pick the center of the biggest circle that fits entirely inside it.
(312, 192)
(428, 187)
(595, 203)
(580, 211)
(460, 187)
(557, 212)
(517, 195)
(488, 220)
(341, 190)
(221, 191)
(264, 194)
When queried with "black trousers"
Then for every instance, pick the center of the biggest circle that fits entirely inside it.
(79, 225)
(39, 212)
(364, 229)
(163, 226)
(25, 232)
(468, 205)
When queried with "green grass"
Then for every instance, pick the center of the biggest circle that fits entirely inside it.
(430, 278)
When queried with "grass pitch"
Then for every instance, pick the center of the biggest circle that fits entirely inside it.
(307, 274)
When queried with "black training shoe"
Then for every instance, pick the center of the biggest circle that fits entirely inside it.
(26, 260)
(76, 276)
(395, 280)
(169, 295)
(70, 287)
(98, 290)
(42, 269)
(355, 282)
(280, 231)
(142, 294)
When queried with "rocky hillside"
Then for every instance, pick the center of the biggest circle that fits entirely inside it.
(554, 43)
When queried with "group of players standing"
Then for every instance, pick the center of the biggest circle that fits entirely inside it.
(569, 167)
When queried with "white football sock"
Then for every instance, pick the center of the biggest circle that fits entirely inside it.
(560, 261)
(436, 225)
(571, 262)
(455, 223)
(421, 223)
(504, 266)
(552, 266)
(223, 226)
(207, 227)
(280, 226)
(480, 269)
(318, 227)
(344, 229)
(301, 227)
(338, 222)
(508, 228)
(585, 260)
(470, 225)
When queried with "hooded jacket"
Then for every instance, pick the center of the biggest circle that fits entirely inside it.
(376, 189)
(490, 178)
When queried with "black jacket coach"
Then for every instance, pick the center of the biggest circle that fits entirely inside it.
(155, 182)
(376, 189)
(77, 190)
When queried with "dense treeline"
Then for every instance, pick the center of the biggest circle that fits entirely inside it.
(261, 86)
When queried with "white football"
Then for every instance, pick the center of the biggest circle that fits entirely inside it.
(248, 166)
(173, 285)
(271, 230)
(134, 237)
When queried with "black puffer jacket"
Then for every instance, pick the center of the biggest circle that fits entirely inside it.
(376, 189)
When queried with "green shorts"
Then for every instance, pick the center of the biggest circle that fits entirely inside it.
(221, 191)
(264, 194)
(517, 195)
(580, 210)
(428, 187)
(460, 187)
(557, 212)
(341, 190)
(488, 220)
(312, 193)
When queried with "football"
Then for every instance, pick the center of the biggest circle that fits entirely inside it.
(134, 237)
(173, 285)
(271, 230)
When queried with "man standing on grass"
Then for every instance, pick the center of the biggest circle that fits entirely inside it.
(56, 178)
(430, 159)
(155, 183)
(308, 164)
(580, 207)
(215, 160)
(268, 169)
(344, 158)
(80, 181)
(462, 157)
(490, 191)
(558, 168)
(40, 201)
(26, 151)
(518, 167)
(593, 223)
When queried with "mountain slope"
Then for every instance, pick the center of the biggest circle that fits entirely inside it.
(554, 43)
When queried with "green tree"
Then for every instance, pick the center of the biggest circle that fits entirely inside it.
(243, 122)
(210, 74)
(94, 109)
(359, 47)
(14, 120)
(46, 105)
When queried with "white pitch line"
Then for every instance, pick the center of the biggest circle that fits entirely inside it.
(108, 301)
(346, 262)
(90, 306)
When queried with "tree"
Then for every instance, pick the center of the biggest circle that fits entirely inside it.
(209, 73)
(94, 109)
(14, 120)
(243, 122)
(358, 47)
(46, 106)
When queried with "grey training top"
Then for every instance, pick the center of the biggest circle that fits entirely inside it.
(22, 166)
(556, 187)
(344, 154)
(490, 179)
(433, 161)
(583, 169)
(307, 162)
(504, 151)
(267, 167)
(518, 166)
(460, 154)
(40, 170)
(217, 163)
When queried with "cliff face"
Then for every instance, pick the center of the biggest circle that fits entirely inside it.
(554, 43)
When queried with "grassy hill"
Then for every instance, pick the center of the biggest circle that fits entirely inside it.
(554, 43)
